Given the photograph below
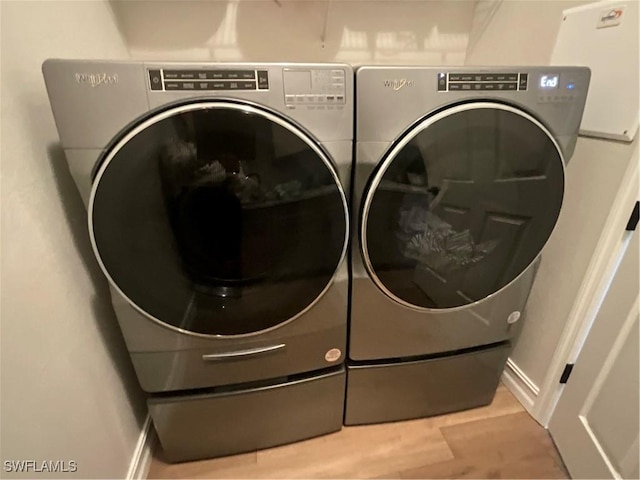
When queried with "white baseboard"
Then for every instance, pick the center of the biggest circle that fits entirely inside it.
(141, 460)
(520, 385)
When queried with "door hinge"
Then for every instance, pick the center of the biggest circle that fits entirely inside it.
(633, 219)
(566, 373)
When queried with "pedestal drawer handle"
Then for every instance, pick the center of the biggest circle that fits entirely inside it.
(211, 357)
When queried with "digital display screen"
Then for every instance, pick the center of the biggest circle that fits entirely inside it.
(549, 81)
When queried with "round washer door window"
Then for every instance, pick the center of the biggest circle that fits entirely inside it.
(218, 218)
(461, 205)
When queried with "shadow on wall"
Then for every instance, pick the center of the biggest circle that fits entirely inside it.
(168, 25)
(106, 322)
(409, 32)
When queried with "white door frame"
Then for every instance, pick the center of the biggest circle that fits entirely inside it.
(599, 274)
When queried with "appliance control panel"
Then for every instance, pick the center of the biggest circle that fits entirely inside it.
(449, 82)
(321, 88)
(556, 87)
(168, 79)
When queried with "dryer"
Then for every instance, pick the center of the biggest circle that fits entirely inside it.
(458, 183)
(217, 210)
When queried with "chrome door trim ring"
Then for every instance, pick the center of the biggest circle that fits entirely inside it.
(388, 158)
(205, 105)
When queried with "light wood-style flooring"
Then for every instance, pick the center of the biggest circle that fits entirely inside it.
(497, 441)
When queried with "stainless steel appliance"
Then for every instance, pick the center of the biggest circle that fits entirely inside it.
(458, 182)
(217, 208)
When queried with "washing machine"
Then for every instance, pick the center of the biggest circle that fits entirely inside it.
(458, 182)
(217, 210)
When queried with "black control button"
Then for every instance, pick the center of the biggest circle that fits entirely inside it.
(499, 86)
(340, 98)
(488, 78)
(209, 74)
(210, 85)
(468, 77)
(219, 75)
(492, 86)
(442, 82)
(524, 78)
(507, 86)
(466, 86)
(231, 74)
(226, 85)
(455, 86)
(241, 74)
(454, 77)
(155, 79)
(506, 77)
(263, 79)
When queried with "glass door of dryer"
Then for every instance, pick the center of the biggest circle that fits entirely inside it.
(461, 205)
(218, 218)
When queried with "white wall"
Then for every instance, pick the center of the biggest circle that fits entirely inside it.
(68, 391)
(518, 32)
(379, 32)
(524, 32)
(593, 178)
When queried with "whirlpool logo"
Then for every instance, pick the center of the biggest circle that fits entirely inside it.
(399, 83)
(96, 79)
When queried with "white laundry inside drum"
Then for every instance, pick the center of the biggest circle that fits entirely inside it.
(435, 244)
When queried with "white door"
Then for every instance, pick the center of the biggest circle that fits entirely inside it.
(596, 424)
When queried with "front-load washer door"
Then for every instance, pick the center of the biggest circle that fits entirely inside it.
(461, 205)
(218, 218)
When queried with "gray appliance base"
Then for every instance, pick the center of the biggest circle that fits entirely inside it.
(226, 421)
(421, 388)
